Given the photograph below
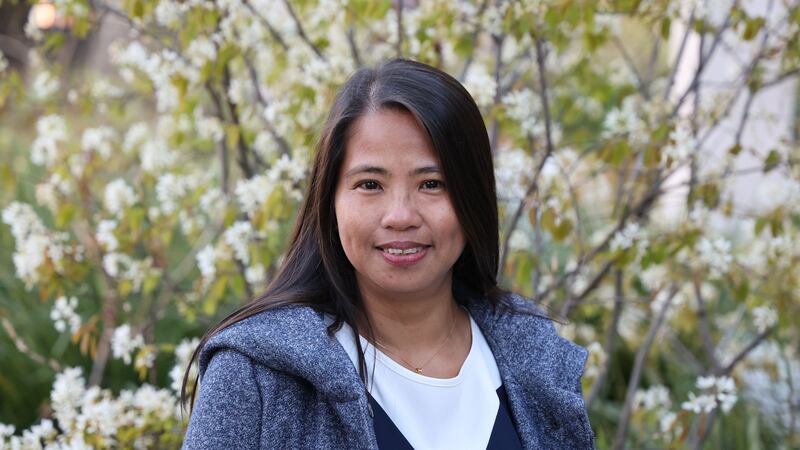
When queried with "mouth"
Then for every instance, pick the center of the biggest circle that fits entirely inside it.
(403, 253)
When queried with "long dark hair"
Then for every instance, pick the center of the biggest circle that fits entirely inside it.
(316, 272)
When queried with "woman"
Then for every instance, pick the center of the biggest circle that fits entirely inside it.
(385, 327)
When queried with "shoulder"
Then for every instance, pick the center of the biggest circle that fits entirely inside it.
(264, 333)
(291, 340)
(527, 336)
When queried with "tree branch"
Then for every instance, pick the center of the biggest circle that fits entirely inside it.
(633, 382)
(705, 332)
(301, 32)
(608, 345)
(543, 95)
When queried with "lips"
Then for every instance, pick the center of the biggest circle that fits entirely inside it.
(403, 253)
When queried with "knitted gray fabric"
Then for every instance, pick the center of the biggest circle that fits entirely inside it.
(277, 380)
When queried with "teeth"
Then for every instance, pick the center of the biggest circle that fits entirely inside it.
(397, 251)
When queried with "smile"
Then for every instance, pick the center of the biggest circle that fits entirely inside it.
(403, 253)
(398, 251)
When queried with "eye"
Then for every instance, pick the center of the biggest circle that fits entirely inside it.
(368, 185)
(433, 184)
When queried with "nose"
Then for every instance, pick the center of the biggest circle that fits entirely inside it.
(401, 212)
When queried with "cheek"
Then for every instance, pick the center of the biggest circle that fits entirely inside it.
(350, 226)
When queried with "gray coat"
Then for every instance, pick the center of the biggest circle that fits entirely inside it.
(277, 380)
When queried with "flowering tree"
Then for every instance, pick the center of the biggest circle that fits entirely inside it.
(152, 199)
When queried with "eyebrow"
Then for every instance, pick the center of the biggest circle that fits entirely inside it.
(366, 168)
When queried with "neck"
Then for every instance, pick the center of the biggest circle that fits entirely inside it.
(411, 321)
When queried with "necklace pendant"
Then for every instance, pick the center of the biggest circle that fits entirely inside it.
(418, 370)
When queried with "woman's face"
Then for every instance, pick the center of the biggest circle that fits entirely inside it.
(396, 223)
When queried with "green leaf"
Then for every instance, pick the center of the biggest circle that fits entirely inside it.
(752, 27)
(562, 230)
(666, 24)
(65, 215)
(772, 160)
(214, 296)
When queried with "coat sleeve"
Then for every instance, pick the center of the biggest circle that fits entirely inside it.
(227, 412)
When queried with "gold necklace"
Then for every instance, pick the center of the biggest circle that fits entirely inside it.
(418, 369)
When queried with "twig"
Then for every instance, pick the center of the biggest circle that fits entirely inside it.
(540, 61)
(351, 41)
(679, 56)
(497, 41)
(703, 60)
(24, 349)
(223, 146)
(272, 31)
(633, 383)
(400, 31)
(474, 38)
(705, 333)
(301, 32)
(244, 161)
(608, 345)
(631, 66)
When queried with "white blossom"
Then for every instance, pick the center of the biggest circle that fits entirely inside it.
(118, 197)
(253, 193)
(32, 31)
(628, 236)
(51, 130)
(237, 237)
(103, 88)
(625, 120)
(718, 392)
(156, 156)
(265, 146)
(99, 140)
(654, 398)
(136, 135)
(287, 167)
(522, 106)
(209, 128)
(168, 13)
(64, 316)
(597, 358)
(145, 357)
(3, 67)
(183, 353)
(67, 395)
(666, 421)
(44, 85)
(764, 317)
(30, 255)
(201, 50)
(697, 404)
(123, 343)
(6, 431)
(206, 262)
(716, 254)
(105, 235)
(255, 274)
(23, 220)
(170, 189)
(212, 202)
(481, 85)
(511, 172)
(519, 241)
(681, 145)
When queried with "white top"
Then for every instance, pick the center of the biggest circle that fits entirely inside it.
(435, 413)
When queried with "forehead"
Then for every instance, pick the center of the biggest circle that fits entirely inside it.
(388, 137)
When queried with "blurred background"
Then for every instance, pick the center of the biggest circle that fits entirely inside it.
(153, 154)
